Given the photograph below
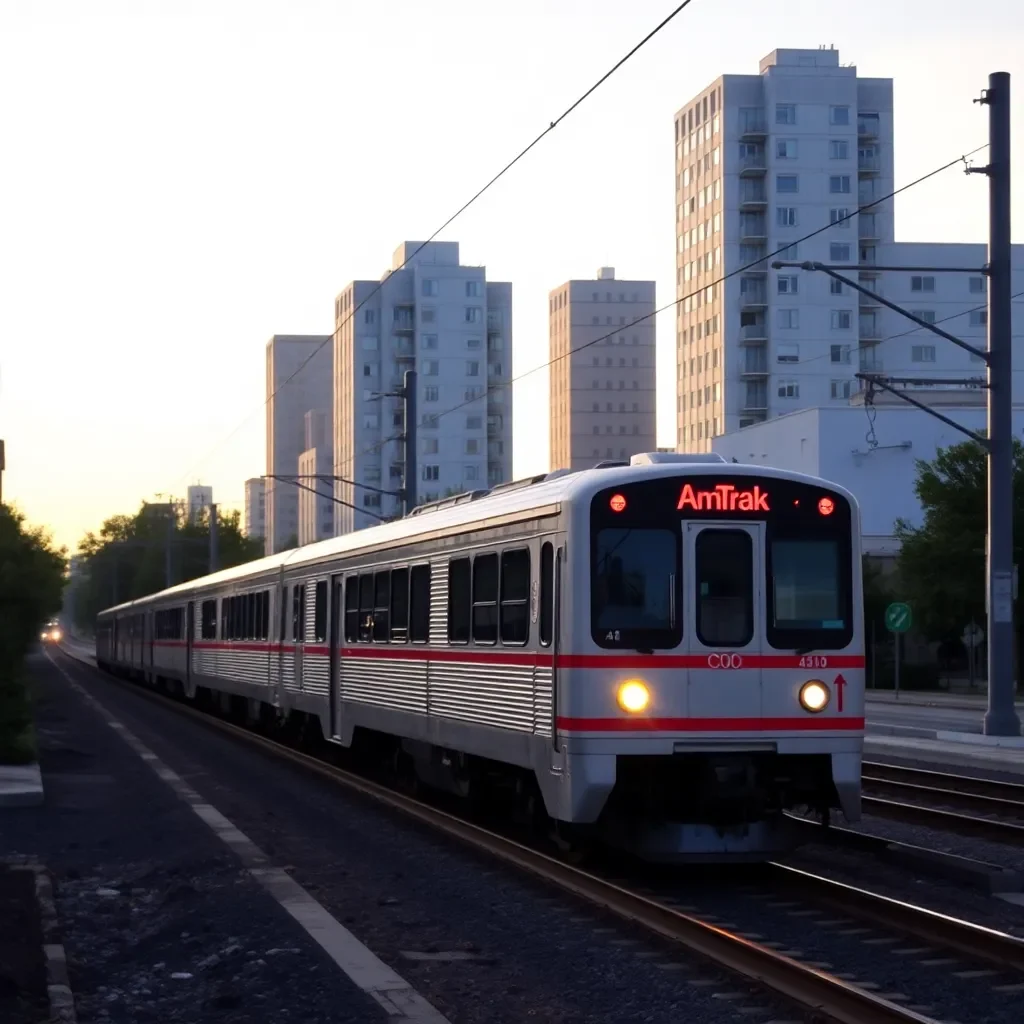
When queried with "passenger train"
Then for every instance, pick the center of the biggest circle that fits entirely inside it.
(666, 654)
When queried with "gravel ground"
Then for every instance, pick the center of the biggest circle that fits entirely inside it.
(23, 998)
(482, 943)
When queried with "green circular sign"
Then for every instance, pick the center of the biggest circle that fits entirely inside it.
(898, 618)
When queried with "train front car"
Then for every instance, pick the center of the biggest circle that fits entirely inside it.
(725, 670)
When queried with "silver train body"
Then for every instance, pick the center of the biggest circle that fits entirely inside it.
(670, 650)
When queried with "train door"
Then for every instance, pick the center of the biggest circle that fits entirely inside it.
(283, 627)
(151, 643)
(722, 573)
(190, 635)
(298, 630)
(334, 651)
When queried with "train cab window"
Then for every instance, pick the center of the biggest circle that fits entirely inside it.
(352, 609)
(381, 606)
(635, 587)
(320, 612)
(514, 610)
(485, 599)
(807, 585)
(419, 604)
(724, 569)
(399, 606)
(209, 620)
(458, 601)
(547, 593)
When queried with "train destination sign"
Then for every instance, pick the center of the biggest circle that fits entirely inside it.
(723, 498)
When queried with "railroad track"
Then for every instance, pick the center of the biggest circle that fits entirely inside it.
(823, 995)
(938, 800)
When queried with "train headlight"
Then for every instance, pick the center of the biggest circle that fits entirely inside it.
(56, 635)
(814, 695)
(633, 696)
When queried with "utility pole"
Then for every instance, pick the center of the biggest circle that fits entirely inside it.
(408, 395)
(3, 466)
(213, 538)
(170, 541)
(1001, 717)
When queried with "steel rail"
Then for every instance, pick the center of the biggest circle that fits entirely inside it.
(946, 821)
(814, 990)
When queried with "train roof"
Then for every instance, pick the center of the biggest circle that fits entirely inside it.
(477, 507)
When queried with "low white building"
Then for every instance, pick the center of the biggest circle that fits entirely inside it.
(255, 507)
(870, 451)
(315, 470)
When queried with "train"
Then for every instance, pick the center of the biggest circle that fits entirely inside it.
(665, 654)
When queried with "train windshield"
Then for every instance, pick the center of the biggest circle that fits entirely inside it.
(805, 562)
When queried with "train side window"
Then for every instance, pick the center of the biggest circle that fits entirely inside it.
(419, 604)
(265, 616)
(485, 599)
(381, 606)
(725, 588)
(458, 601)
(514, 610)
(547, 593)
(284, 613)
(352, 609)
(320, 612)
(400, 605)
(208, 629)
(250, 616)
(299, 613)
(366, 608)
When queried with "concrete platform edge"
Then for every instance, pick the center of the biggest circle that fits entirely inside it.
(21, 785)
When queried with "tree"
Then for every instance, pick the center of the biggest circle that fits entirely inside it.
(942, 562)
(128, 558)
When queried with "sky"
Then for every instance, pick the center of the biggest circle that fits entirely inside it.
(181, 180)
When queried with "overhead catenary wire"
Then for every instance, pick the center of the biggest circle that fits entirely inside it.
(458, 213)
(378, 445)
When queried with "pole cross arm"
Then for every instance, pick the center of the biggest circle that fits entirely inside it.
(856, 286)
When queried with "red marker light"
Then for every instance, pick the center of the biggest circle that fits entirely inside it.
(826, 506)
(617, 503)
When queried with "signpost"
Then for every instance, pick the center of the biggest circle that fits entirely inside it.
(898, 619)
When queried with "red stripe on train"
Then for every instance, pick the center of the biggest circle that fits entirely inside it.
(717, 660)
(806, 724)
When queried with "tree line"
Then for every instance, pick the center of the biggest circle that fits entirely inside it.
(132, 556)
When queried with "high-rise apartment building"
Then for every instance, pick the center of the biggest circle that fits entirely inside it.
(452, 326)
(316, 467)
(255, 507)
(200, 498)
(602, 353)
(762, 160)
(299, 375)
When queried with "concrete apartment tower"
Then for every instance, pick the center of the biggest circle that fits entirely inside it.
(762, 160)
(454, 327)
(603, 394)
(299, 374)
(255, 508)
(316, 466)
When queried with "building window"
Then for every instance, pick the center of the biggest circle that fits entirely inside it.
(839, 184)
(789, 319)
(839, 353)
(474, 422)
(785, 149)
(472, 368)
(840, 216)
(787, 352)
(428, 315)
(369, 316)
(838, 149)
(474, 315)
(839, 115)
(835, 287)
(429, 287)
(842, 319)
(474, 289)
(428, 341)
(371, 421)
(841, 388)
(785, 216)
(787, 183)
(922, 284)
(839, 252)
(788, 284)
(431, 368)
(785, 113)
(979, 318)
(369, 343)
(789, 389)
(922, 353)
(431, 473)
(977, 285)
(430, 445)
(473, 343)
(927, 315)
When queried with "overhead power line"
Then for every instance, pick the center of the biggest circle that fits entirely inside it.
(458, 213)
(377, 446)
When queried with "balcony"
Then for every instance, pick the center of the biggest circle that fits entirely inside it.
(752, 123)
(755, 364)
(869, 329)
(404, 325)
(755, 400)
(753, 294)
(867, 126)
(753, 334)
(404, 349)
(753, 229)
(867, 228)
(868, 163)
(753, 195)
(868, 301)
(870, 366)
(753, 164)
(867, 257)
(495, 426)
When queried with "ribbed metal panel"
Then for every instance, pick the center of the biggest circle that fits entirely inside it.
(496, 695)
(315, 674)
(542, 690)
(242, 666)
(439, 602)
(391, 683)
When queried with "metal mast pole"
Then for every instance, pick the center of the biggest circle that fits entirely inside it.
(1001, 717)
(409, 436)
(170, 542)
(213, 538)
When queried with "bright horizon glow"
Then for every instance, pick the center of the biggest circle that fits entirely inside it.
(185, 180)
